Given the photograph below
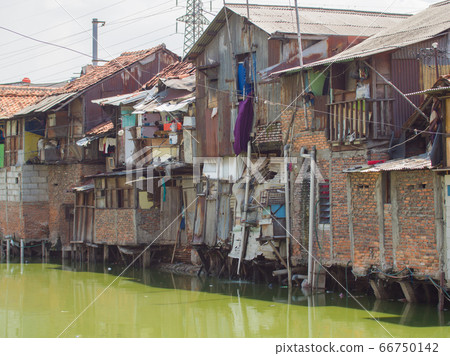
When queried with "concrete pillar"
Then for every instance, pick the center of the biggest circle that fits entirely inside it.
(408, 291)
(8, 250)
(22, 251)
(378, 289)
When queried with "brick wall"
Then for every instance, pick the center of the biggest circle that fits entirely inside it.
(61, 179)
(11, 220)
(148, 224)
(115, 226)
(417, 241)
(35, 218)
(339, 204)
(413, 243)
(365, 220)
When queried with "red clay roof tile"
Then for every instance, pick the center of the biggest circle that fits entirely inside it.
(15, 98)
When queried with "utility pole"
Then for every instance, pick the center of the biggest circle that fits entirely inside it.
(300, 60)
(95, 23)
(195, 20)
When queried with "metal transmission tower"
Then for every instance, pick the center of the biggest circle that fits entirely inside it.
(194, 20)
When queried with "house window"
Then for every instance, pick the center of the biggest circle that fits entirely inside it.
(52, 120)
(324, 202)
(114, 193)
(13, 142)
(212, 93)
(386, 186)
(246, 74)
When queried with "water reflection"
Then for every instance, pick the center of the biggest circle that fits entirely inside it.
(40, 300)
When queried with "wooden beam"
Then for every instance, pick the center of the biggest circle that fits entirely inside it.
(278, 254)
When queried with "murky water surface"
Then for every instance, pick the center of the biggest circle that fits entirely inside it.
(42, 300)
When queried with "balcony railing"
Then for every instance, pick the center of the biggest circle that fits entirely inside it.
(362, 119)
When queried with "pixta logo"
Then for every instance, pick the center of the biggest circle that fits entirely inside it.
(140, 169)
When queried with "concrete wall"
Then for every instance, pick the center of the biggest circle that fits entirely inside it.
(35, 183)
(24, 202)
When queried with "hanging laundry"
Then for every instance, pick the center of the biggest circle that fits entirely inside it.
(109, 142)
(164, 189)
(243, 126)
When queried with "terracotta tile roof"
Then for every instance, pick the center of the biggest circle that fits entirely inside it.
(15, 98)
(177, 70)
(101, 129)
(101, 72)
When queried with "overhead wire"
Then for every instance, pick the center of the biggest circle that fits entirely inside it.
(111, 30)
(44, 42)
(65, 22)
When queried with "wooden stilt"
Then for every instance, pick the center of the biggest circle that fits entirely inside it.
(173, 253)
(146, 259)
(441, 292)
(1, 250)
(105, 254)
(43, 251)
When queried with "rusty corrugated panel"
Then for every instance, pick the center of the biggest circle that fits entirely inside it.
(406, 77)
(404, 164)
(224, 125)
(427, 24)
(274, 55)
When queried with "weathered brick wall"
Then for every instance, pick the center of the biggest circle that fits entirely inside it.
(148, 224)
(61, 179)
(11, 219)
(115, 226)
(35, 217)
(388, 239)
(339, 205)
(302, 136)
(365, 220)
(417, 241)
(413, 243)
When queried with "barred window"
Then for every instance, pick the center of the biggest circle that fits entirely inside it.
(324, 202)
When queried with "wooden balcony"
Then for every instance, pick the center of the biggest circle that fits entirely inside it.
(359, 120)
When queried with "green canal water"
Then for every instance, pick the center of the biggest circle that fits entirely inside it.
(42, 300)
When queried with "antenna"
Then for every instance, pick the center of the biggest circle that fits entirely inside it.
(194, 20)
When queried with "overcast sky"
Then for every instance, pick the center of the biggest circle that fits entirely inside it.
(130, 25)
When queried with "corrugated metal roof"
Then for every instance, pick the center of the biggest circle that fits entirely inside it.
(121, 99)
(316, 21)
(406, 164)
(427, 24)
(46, 103)
(177, 70)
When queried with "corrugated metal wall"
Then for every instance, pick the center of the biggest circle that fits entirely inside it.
(405, 74)
(413, 69)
